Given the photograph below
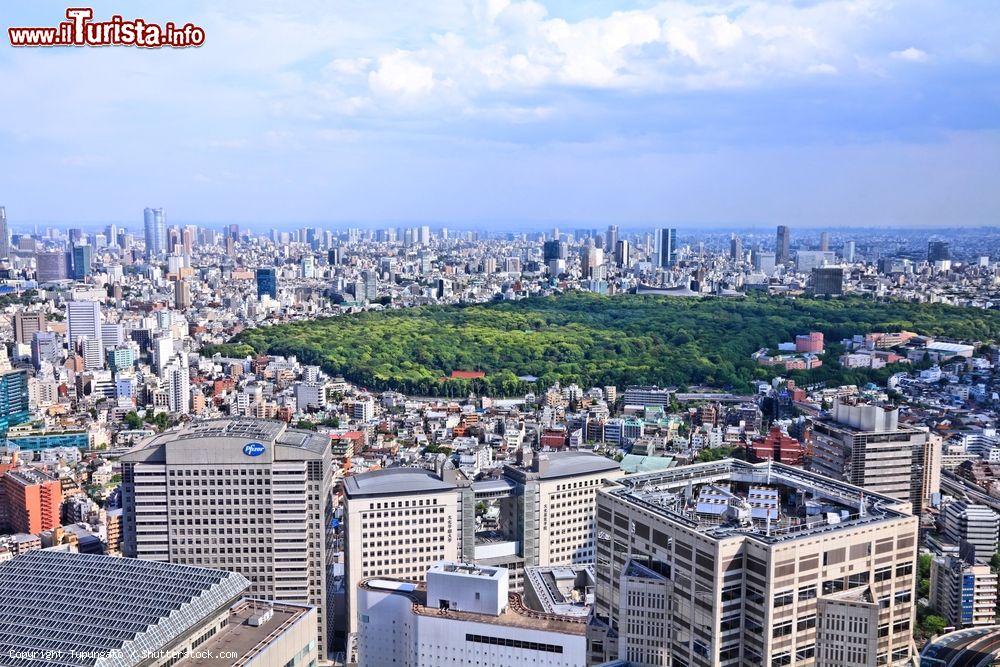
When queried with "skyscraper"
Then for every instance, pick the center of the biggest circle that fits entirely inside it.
(622, 252)
(723, 564)
(13, 399)
(82, 260)
(849, 251)
(267, 282)
(156, 232)
(179, 386)
(50, 267)
(824, 240)
(245, 495)
(666, 247)
(938, 251)
(4, 234)
(611, 242)
(782, 252)
(735, 248)
(83, 320)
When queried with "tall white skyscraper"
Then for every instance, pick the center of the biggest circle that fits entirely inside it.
(179, 386)
(83, 320)
(156, 232)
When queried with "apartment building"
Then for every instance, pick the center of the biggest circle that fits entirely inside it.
(972, 526)
(243, 495)
(965, 595)
(732, 563)
(865, 445)
(30, 500)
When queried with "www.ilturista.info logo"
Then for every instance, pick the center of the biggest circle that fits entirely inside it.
(80, 30)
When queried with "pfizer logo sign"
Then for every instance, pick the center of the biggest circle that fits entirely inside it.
(253, 449)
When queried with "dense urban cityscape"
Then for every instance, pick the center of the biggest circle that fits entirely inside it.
(831, 497)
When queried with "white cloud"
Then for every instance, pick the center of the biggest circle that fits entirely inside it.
(911, 54)
(399, 74)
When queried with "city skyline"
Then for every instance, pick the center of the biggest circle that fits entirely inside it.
(517, 112)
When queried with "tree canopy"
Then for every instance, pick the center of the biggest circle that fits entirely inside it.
(596, 340)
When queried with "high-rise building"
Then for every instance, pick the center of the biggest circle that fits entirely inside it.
(267, 282)
(50, 267)
(178, 386)
(4, 234)
(865, 444)
(103, 610)
(370, 279)
(735, 248)
(824, 241)
(828, 280)
(156, 232)
(26, 323)
(623, 254)
(849, 251)
(611, 242)
(14, 399)
(666, 247)
(938, 251)
(732, 563)
(783, 252)
(45, 346)
(31, 500)
(83, 321)
(245, 495)
(965, 595)
(82, 261)
(412, 518)
(971, 527)
(182, 295)
(462, 615)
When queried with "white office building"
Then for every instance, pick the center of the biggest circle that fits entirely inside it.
(462, 615)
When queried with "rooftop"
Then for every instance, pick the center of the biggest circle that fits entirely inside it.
(87, 610)
(243, 639)
(768, 502)
(514, 615)
(393, 481)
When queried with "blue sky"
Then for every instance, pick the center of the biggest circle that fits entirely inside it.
(815, 113)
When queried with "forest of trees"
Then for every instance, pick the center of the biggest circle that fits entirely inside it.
(595, 340)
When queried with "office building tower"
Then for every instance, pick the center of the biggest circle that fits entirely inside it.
(50, 267)
(45, 346)
(156, 232)
(807, 260)
(647, 396)
(622, 254)
(26, 323)
(182, 295)
(82, 261)
(828, 280)
(267, 282)
(308, 266)
(666, 248)
(102, 610)
(938, 251)
(964, 594)
(973, 528)
(370, 280)
(92, 351)
(849, 251)
(31, 500)
(14, 407)
(732, 563)
(824, 241)
(865, 445)
(611, 241)
(735, 248)
(412, 518)
(333, 256)
(783, 252)
(83, 321)
(112, 334)
(592, 262)
(178, 387)
(4, 234)
(553, 250)
(245, 495)
(462, 615)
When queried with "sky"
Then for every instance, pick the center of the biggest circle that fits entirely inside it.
(513, 114)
